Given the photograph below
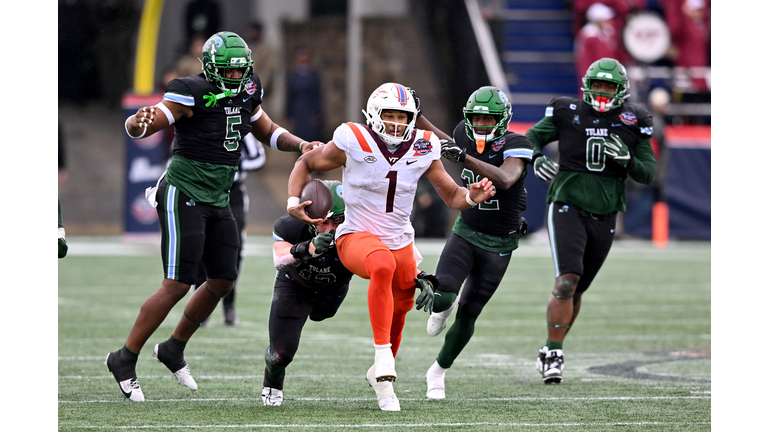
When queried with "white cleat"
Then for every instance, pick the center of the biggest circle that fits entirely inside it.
(271, 396)
(129, 387)
(385, 392)
(435, 383)
(132, 390)
(384, 365)
(183, 375)
(438, 320)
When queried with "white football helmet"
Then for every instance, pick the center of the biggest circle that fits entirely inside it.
(391, 96)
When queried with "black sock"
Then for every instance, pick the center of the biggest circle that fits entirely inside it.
(173, 354)
(128, 355)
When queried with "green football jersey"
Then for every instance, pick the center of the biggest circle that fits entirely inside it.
(587, 177)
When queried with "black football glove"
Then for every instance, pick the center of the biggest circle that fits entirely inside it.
(427, 284)
(617, 150)
(523, 226)
(450, 150)
(323, 241)
(416, 100)
(545, 168)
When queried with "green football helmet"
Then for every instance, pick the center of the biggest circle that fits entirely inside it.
(227, 50)
(487, 100)
(337, 210)
(610, 70)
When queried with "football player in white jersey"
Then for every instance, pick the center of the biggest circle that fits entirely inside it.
(382, 162)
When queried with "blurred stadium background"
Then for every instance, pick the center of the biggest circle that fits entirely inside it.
(444, 49)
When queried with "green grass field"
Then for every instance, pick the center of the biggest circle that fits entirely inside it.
(638, 357)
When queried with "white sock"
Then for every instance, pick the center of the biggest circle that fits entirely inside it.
(436, 370)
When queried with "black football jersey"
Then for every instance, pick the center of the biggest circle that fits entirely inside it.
(500, 214)
(319, 273)
(216, 129)
(582, 133)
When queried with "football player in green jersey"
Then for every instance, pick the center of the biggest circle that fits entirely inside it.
(484, 236)
(601, 141)
(311, 282)
(211, 112)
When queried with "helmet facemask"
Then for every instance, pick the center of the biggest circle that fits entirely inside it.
(391, 96)
(223, 51)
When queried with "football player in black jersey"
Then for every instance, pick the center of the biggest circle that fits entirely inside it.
(310, 283)
(483, 237)
(211, 113)
(601, 141)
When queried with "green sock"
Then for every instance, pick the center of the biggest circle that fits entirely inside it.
(443, 300)
(554, 345)
(456, 339)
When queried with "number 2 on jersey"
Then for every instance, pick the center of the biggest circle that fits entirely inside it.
(470, 178)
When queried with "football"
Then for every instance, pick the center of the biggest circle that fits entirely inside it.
(320, 195)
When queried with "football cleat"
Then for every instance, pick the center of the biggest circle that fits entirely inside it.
(384, 365)
(435, 383)
(125, 375)
(230, 317)
(438, 320)
(385, 392)
(183, 375)
(271, 396)
(550, 364)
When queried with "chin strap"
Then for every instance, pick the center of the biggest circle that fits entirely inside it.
(212, 98)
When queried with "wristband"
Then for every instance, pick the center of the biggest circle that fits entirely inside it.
(129, 134)
(293, 202)
(273, 139)
(301, 146)
(469, 200)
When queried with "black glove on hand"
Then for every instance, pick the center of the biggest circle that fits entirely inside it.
(523, 226)
(427, 284)
(416, 100)
(323, 241)
(450, 150)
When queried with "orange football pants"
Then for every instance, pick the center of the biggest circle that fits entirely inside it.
(391, 288)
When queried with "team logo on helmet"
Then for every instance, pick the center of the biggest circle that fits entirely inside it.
(422, 147)
(628, 118)
(401, 94)
(216, 42)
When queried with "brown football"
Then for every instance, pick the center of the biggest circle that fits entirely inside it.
(320, 195)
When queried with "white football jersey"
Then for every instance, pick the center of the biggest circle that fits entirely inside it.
(379, 186)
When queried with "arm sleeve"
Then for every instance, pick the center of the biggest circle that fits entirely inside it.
(541, 134)
(643, 169)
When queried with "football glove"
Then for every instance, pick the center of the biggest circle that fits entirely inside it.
(449, 149)
(322, 242)
(545, 168)
(416, 100)
(427, 284)
(617, 150)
